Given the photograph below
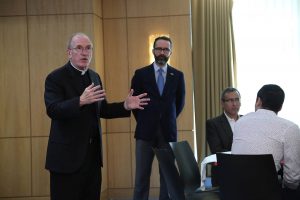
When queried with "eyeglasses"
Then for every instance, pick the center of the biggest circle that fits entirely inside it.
(235, 100)
(165, 50)
(80, 49)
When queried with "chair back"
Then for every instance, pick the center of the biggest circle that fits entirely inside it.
(248, 177)
(187, 165)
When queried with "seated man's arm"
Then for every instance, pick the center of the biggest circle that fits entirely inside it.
(213, 138)
(291, 166)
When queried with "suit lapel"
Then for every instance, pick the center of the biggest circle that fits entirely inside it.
(226, 126)
(151, 80)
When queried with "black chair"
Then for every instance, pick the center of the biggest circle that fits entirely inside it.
(248, 177)
(190, 173)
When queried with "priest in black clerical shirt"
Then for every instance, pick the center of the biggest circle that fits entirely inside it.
(75, 102)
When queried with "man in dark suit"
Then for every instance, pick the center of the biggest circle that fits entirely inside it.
(75, 101)
(156, 124)
(219, 130)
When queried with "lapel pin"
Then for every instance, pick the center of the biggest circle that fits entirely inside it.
(171, 74)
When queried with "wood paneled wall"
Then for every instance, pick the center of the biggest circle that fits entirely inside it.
(34, 35)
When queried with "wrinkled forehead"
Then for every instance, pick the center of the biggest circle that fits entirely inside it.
(233, 94)
(81, 40)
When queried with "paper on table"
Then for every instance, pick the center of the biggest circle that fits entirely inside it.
(209, 159)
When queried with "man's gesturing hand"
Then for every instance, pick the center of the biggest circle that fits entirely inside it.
(135, 102)
(91, 94)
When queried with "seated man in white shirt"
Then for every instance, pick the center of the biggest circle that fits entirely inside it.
(263, 132)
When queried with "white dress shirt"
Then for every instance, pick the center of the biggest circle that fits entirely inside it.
(263, 132)
(231, 121)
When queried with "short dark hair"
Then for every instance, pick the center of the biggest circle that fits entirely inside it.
(162, 38)
(228, 90)
(272, 97)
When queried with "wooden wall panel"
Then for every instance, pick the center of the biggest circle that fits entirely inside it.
(48, 36)
(114, 9)
(98, 55)
(116, 69)
(43, 7)
(12, 7)
(182, 59)
(97, 7)
(139, 31)
(14, 78)
(119, 156)
(15, 167)
(188, 136)
(40, 176)
(138, 8)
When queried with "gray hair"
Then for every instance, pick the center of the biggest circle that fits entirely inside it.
(70, 41)
(228, 90)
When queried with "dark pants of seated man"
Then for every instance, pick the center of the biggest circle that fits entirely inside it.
(290, 194)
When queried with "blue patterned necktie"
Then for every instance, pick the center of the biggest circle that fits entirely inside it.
(160, 81)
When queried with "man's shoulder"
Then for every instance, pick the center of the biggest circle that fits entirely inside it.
(217, 118)
(59, 71)
(93, 72)
(144, 70)
(174, 70)
(287, 123)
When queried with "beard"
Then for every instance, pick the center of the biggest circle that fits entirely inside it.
(161, 59)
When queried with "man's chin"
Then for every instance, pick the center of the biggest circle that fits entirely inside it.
(161, 62)
(82, 67)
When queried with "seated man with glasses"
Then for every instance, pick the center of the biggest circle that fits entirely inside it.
(219, 130)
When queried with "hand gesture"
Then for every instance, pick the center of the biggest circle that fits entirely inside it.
(92, 94)
(135, 102)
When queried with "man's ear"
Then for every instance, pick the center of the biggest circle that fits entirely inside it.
(69, 53)
(258, 103)
(280, 108)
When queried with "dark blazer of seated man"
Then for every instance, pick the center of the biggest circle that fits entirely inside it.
(219, 130)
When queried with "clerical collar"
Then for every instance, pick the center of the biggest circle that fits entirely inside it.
(82, 71)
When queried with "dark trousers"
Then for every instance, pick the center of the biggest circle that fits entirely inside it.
(289, 194)
(144, 159)
(214, 176)
(84, 184)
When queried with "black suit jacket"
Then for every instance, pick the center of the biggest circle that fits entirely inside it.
(161, 110)
(219, 134)
(71, 125)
